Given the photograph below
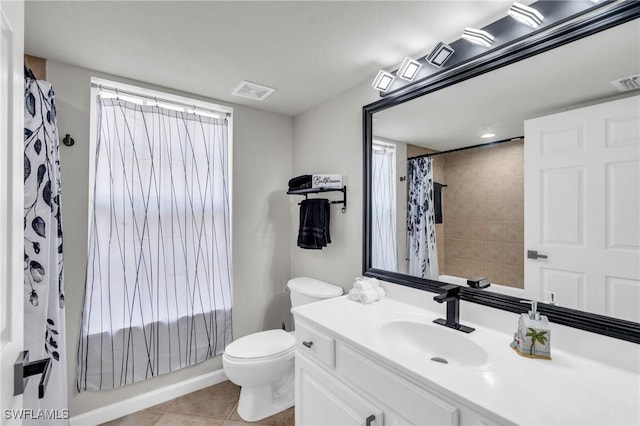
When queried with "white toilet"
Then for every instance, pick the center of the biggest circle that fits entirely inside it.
(263, 363)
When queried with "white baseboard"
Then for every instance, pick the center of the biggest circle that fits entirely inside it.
(146, 400)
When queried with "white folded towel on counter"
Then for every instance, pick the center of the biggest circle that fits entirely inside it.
(366, 282)
(354, 294)
(366, 290)
(368, 296)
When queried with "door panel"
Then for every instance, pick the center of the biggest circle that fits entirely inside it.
(623, 206)
(563, 206)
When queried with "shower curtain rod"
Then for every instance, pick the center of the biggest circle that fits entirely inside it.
(467, 147)
(223, 114)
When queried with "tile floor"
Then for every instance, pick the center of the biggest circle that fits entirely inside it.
(215, 405)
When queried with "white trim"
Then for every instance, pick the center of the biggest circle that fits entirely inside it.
(388, 143)
(93, 138)
(148, 399)
(230, 150)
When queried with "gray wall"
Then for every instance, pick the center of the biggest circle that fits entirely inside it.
(328, 139)
(262, 158)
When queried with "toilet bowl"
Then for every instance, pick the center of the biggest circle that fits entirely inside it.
(262, 363)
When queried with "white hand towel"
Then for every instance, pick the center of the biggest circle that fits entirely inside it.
(368, 296)
(373, 282)
(381, 292)
(362, 285)
(354, 295)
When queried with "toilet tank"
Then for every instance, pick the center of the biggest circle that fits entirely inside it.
(308, 290)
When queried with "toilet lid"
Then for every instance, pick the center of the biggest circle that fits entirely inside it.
(314, 288)
(261, 345)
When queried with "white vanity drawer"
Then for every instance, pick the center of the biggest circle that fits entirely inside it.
(316, 344)
(416, 405)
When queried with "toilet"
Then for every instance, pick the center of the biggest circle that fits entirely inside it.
(262, 363)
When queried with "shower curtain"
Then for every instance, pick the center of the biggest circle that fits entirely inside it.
(44, 320)
(423, 255)
(158, 286)
(383, 208)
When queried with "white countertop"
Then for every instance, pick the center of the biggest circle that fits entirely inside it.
(567, 390)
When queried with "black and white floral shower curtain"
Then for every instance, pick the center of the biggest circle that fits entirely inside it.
(423, 255)
(158, 293)
(44, 319)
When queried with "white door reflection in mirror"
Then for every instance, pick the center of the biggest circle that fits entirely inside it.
(582, 208)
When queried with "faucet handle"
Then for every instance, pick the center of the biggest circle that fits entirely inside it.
(447, 293)
(450, 289)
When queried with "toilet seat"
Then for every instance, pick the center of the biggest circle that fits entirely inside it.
(261, 346)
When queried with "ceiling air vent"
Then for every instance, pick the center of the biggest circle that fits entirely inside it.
(627, 83)
(254, 91)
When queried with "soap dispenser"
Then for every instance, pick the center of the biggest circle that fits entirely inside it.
(533, 337)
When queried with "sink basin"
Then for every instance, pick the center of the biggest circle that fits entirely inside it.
(433, 342)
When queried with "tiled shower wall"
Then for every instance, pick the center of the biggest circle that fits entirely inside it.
(483, 213)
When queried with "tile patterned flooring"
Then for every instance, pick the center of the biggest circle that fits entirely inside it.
(215, 406)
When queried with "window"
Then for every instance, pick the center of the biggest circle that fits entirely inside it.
(383, 206)
(158, 292)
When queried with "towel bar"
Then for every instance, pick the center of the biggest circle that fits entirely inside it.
(23, 369)
(308, 191)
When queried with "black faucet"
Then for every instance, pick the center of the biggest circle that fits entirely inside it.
(451, 295)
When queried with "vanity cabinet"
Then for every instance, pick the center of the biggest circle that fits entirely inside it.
(337, 384)
(323, 400)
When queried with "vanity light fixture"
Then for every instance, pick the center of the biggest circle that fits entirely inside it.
(440, 54)
(383, 81)
(487, 135)
(408, 69)
(476, 36)
(525, 14)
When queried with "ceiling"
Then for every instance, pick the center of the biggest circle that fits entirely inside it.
(310, 51)
(499, 102)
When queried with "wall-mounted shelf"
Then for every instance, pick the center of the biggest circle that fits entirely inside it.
(308, 191)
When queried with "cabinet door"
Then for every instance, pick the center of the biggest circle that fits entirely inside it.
(414, 404)
(322, 400)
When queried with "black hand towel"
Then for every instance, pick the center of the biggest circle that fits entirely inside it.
(437, 201)
(313, 232)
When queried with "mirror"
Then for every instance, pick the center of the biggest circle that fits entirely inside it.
(480, 219)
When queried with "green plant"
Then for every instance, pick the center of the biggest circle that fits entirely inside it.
(536, 336)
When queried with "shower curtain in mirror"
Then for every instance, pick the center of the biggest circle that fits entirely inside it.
(44, 321)
(158, 286)
(421, 231)
(383, 208)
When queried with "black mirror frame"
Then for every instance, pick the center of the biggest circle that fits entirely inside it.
(608, 16)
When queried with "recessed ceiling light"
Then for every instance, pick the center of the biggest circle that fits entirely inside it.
(526, 15)
(440, 54)
(408, 69)
(487, 135)
(382, 81)
(475, 36)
